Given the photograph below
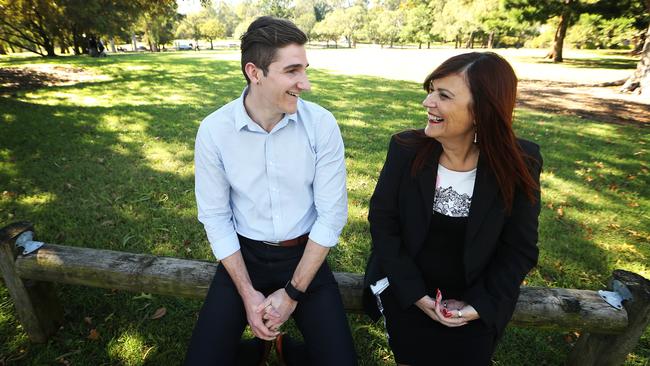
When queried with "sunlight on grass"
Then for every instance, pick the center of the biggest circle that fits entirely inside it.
(8, 118)
(129, 349)
(37, 199)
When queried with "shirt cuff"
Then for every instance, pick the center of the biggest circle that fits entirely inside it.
(323, 235)
(224, 246)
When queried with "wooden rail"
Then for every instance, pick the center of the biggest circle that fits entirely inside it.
(29, 279)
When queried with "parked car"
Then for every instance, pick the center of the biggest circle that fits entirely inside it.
(184, 47)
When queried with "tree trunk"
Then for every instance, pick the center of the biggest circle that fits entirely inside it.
(75, 42)
(134, 42)
(429, 45)
(2, 49)
(49, 48)
(111, 41)
(639, 82)
(211, 47)
(419, 45)
(490, 43)
(558, 43)
(470, 40)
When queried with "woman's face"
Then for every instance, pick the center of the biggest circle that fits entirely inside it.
(449, 118)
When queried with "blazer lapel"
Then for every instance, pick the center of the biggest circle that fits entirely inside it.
(426, 181)
(485, 191)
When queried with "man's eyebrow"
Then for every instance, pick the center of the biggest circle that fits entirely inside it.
(295, 66)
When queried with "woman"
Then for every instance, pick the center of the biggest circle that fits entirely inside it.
(454, 218)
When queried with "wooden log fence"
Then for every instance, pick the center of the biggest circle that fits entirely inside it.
(608, 334)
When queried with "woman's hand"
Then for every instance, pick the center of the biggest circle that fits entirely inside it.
(449, 312)
(455, 312)
(427, 305)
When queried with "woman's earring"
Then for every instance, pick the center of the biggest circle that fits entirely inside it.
(475, 139)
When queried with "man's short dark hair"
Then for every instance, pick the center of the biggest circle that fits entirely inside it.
(263, 38)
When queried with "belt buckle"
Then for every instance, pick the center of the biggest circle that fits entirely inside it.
(273, 243)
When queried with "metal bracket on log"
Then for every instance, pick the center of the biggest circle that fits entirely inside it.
(37, 305)
(615, 298)
(25, 240)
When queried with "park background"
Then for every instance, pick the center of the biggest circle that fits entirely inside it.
(98, 151)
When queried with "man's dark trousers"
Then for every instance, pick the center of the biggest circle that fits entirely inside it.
(320, 316)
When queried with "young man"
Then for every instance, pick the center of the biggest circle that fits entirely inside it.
(270, 190)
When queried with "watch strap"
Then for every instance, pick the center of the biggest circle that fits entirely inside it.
(293, 292)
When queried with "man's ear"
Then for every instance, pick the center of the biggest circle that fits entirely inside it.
(254, 74)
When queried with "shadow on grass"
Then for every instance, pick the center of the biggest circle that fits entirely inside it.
(109, 164)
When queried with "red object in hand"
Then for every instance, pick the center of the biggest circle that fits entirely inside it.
(446, 313)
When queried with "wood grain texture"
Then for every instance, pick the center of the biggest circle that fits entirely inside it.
(537, 307)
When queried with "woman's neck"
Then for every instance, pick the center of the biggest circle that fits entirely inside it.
(461, 158)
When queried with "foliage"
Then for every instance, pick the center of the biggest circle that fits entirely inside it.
(39, 25)
(593, 31)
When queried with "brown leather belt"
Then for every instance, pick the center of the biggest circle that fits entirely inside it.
(301, 240)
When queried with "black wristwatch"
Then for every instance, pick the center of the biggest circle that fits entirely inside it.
(293, 292)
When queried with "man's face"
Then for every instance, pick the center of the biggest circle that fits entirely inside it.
(285, 80)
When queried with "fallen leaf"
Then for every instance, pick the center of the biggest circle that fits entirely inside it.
(560, 212)
(88, 320)
(633, 204)
(159, 313)
(93, 335)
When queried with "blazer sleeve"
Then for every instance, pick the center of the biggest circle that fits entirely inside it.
(494, 294)
(405, 279)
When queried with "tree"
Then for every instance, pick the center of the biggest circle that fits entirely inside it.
(328, 29)
(418, 25)
(32, 25)
(191, 27)
(39, 25)
(350, 21)
(639, 81)
(305, 15)
(567, 12)
(276, 8)
(212, 30)
(157, 21)
(226, 16)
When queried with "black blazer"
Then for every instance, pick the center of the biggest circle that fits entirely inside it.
(499, 249)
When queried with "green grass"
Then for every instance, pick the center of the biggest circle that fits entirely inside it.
(109, 164)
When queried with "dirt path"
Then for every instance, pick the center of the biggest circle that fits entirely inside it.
(603, 104)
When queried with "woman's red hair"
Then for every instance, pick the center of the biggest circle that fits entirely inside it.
(493, 85)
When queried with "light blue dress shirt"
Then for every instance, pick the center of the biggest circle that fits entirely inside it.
(270, 186)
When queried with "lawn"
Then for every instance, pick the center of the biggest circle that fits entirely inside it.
(108, 163)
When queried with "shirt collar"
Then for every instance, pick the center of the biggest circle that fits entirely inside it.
(242, 119)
